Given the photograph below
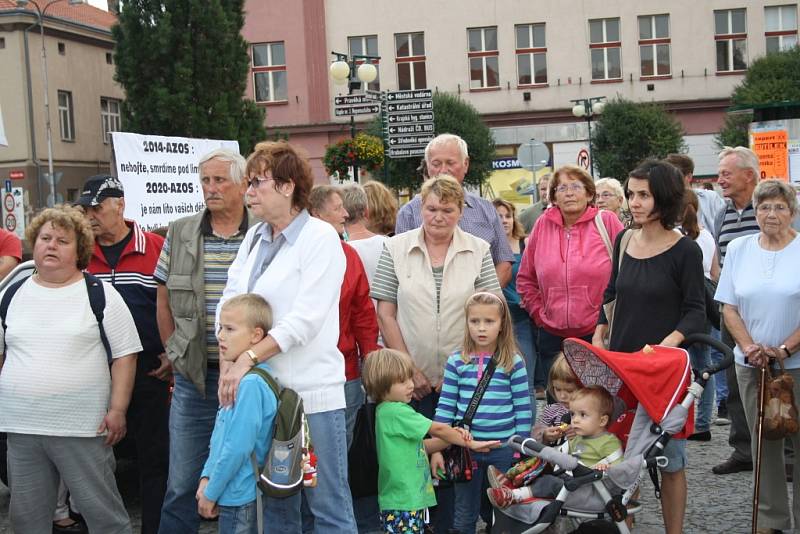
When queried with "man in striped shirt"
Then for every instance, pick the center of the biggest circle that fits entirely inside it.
(738, 176)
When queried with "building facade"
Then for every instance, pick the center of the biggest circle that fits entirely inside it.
(84, 100)
(519, 63)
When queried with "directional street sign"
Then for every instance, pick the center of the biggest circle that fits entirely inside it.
(357, 110)
(405, 129)
(416, 105)
(405, 152)
(410, 140)
(419, 94)
(351, 100)
(405, 118)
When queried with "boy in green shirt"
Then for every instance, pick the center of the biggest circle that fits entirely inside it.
(405, 487)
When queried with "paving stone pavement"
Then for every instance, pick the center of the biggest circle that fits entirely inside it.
(716, 504)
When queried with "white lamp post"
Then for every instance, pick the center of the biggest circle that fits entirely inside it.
(351, 70)
(588, 108)
(40, 12)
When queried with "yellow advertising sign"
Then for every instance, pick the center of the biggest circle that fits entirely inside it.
(773, 154)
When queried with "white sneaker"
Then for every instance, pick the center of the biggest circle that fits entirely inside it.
(722, 421)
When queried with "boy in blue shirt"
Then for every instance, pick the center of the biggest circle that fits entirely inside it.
(228, 485)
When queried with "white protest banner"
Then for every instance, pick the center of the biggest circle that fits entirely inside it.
(160, 175)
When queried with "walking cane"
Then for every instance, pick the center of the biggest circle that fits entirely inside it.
(759, 443)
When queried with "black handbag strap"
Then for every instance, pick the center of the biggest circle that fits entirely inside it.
(480, 389)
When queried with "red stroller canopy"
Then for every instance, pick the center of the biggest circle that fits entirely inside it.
(657, 379)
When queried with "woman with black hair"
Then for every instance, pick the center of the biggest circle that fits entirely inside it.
(659, 294)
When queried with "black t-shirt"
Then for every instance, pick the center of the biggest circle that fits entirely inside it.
(656, 296)
(113, 252)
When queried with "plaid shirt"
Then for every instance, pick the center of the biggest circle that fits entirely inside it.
(479, 219)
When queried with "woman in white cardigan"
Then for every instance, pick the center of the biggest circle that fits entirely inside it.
(296, 263)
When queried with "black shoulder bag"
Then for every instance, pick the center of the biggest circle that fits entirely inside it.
(457, 459)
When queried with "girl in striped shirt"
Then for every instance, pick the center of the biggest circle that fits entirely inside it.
(505, 408)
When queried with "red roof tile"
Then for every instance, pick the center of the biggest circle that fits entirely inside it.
(82, 13)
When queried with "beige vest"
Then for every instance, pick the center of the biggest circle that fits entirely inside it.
(430, 336)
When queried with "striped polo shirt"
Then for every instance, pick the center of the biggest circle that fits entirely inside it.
(736, 224)
(505, 408)
(218, 254)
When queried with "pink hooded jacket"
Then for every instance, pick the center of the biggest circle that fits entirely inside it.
(564, 273)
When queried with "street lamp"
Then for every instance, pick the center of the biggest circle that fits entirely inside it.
(588, 108)
(40, 12)
(353, 70)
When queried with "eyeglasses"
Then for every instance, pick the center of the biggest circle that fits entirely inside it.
(779, 209)
(257, 181)
(606, 194)
(575, 188)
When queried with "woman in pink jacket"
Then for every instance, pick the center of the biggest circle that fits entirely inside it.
(567, 264)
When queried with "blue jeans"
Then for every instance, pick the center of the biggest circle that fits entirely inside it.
(700, 360)
(238, 519)
(330, 502)
(720, 380)
(523, 333)
(354, 397)
(191, 421)
(469, 495)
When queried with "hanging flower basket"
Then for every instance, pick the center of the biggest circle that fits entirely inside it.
(364, 151)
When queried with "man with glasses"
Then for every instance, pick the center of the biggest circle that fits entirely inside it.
(191, 274)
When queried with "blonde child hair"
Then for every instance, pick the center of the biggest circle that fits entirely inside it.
(506, 345)
(562, 372)
(257, 311)
(384, 368)
(601, 398)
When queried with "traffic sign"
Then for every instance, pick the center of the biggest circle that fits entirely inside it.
(405, 129)
(419, 94)
(406, 152)
(404, 118)
(351, 100)
(420, 105)
(410, 140)
(357, 110)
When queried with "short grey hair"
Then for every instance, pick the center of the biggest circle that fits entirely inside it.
(227, 155)
(447, 139)
(354, 199)
(747, 159)
(611, 183)
(775, 189)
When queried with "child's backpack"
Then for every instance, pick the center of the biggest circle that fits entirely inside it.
(282, 473)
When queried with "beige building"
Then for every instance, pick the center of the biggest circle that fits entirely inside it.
(83, 98)
(520, 63)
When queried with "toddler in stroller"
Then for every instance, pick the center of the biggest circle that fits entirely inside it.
(590, 409)
(652, 384)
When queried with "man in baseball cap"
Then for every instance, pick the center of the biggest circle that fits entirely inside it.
(125, 256)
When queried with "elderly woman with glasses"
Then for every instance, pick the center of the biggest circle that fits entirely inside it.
(760, 292)
(296, 263)
(562, 286)
(611, 197)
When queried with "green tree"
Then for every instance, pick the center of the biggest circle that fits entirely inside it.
(451, 115)
(628, 132)
(184, 65)
(770, 79)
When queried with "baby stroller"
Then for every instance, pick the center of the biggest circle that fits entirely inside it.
(655, 396)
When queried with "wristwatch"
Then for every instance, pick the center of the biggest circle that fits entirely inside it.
(786, 350)
(254, 358)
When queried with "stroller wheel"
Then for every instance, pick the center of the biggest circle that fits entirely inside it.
(596, 526)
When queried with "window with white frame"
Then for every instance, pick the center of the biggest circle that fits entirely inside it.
(410, 58)
(110, 117)
(730, 34)
(531, 54)
(654, 45)
(365, 45)
(604, 47)
(269, 72)
(780, 25)
(484, 71)
(66, 119)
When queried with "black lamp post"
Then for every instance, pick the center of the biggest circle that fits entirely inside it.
(589, 108)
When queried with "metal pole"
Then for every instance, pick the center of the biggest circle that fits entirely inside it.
(591, 156)
(47, 106)
(352, 118)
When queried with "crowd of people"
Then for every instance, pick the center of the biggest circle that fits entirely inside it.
(452, 308)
